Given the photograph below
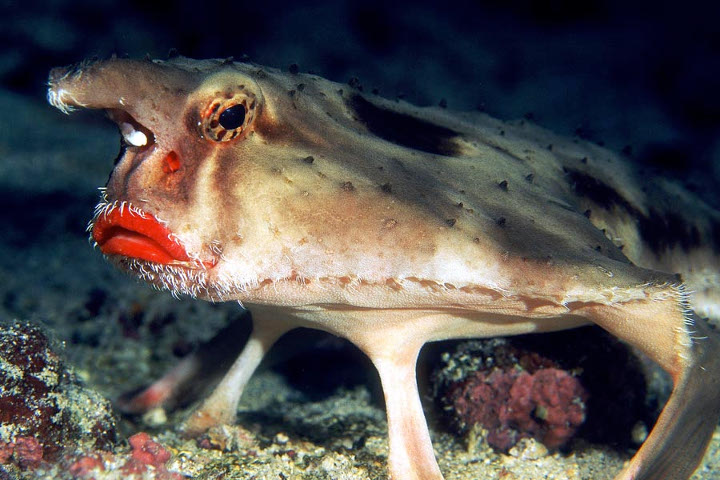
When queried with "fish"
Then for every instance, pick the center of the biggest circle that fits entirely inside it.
(317, 205)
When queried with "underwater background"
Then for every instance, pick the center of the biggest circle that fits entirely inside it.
(639, 77)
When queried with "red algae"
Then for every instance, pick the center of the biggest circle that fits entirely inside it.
(85, 466)
(513, 404)
(512, 393)
(147, 451)
(147, 459)
(28, 452)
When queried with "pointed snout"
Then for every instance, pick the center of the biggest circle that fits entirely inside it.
(135, 86)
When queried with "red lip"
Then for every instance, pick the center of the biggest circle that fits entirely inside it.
(120, 232)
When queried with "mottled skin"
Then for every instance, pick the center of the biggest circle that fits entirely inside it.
(394, 226)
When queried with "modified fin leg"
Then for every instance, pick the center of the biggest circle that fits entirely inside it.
(411, 455)
(162, 390)
(221, 406)
(193, 374)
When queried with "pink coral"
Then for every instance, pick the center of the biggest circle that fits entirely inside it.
(6, 451)
(84, 466)
(146, 452)
(511, 404)
(147, 459)
(28, 452)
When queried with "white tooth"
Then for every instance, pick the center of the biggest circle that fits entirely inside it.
(132, 136)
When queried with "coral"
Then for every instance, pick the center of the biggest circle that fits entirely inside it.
(512, 393)
(6, 451)
(148, 453)
(551, 388)
(28, 452)
(25, 452)
(147, 459)
(613, 375)
(84, 466)
(42, 405)
(513, 404)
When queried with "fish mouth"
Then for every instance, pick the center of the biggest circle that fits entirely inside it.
(130, 232)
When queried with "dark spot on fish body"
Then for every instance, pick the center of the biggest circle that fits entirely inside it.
(664, 231)
(403, 129)
(503, 185)
(348, 187)
(597, 191)
(451, 222)
(661, 231)
(386, 187)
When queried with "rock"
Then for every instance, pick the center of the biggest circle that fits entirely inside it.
(44, 409)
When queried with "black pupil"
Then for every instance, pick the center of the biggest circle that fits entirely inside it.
(233, 117)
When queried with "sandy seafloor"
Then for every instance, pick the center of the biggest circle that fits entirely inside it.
(51, 165)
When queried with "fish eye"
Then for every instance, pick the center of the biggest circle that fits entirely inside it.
(226, 119)
(232, 117)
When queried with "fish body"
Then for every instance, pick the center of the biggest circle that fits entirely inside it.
(318, 206)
